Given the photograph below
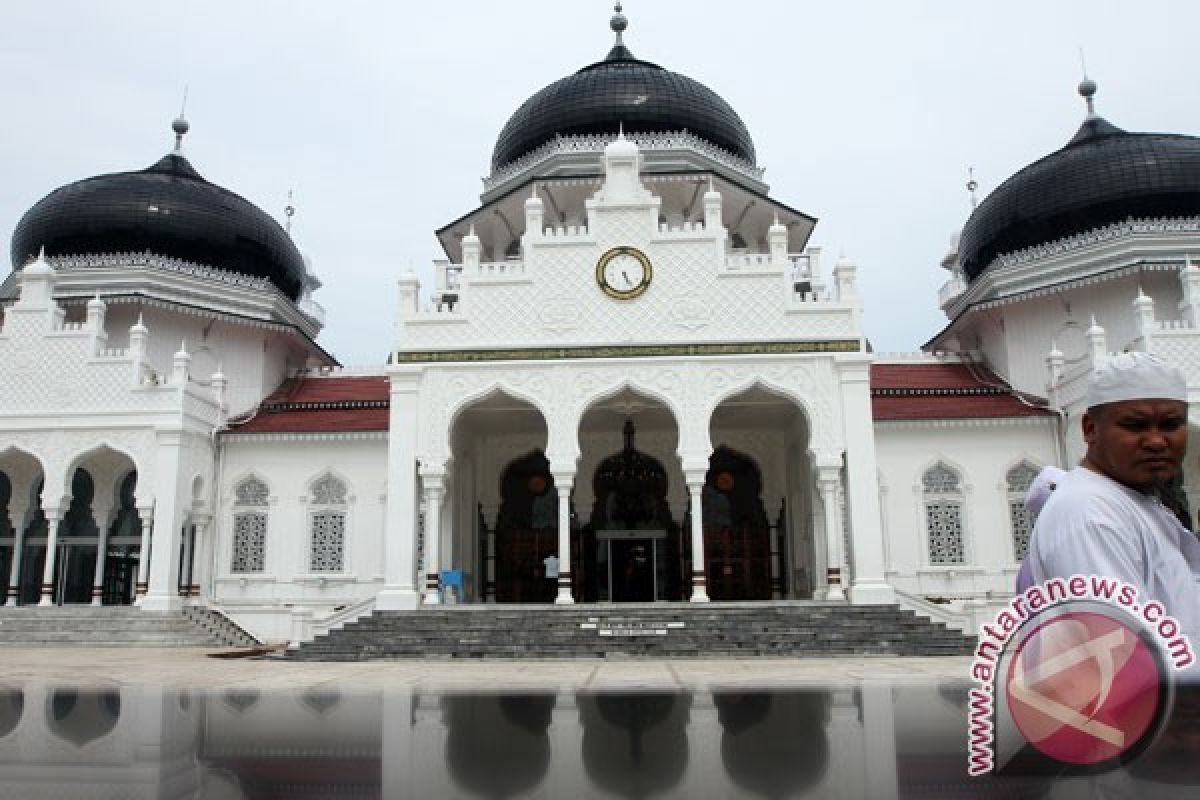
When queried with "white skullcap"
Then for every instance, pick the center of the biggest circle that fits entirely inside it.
(1039, 491)
(1135, 376)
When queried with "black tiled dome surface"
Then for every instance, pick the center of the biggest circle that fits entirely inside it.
(1104, 175)
(643, 97)
(195, 221)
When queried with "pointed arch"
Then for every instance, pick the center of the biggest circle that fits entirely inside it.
(251, 499)
(633, 386)
(328, 511)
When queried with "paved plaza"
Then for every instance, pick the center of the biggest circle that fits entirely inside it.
(194, 668)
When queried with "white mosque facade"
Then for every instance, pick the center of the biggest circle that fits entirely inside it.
(633, 380)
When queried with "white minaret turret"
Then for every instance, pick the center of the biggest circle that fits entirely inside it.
(472, 251)
(712, 208)
(138, 335)
(180, 364)
(1143, 310)
(1097, 344)
(95, 322)
(219, 385)
(777, 241)
(535, 214)
(1055, 361)
(1189, 304)
(622, 165)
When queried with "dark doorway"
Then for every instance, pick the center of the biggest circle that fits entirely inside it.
(526, 532)
(737, 536)
(631, 545)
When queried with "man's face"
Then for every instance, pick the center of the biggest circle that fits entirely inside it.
(1139, 443)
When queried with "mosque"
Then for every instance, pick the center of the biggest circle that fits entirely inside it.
(634, 379)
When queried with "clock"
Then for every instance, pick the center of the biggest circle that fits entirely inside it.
(623, 272)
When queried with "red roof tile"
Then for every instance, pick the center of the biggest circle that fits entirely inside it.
(322, 405)
(944, 391)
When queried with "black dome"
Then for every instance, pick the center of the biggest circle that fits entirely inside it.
(1103, 175)
(168, 210)
(621, 90)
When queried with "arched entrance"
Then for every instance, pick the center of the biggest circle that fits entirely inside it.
(631, 544)
(631, 497)
(758, 510)
(20, 511)
(495, 528)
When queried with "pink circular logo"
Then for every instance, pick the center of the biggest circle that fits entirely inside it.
(1084, 688)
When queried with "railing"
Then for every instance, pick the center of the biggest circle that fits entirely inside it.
(747, 261)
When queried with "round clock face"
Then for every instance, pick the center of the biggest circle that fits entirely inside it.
(623, 272)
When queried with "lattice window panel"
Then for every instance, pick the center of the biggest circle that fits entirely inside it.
(943, 522)
(249, 542)
(940, 479)
(329, 491)
(251, 492)
(328, 552)
(1022, 526)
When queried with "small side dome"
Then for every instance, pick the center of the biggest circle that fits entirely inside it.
(167, 209)
(1102, 176)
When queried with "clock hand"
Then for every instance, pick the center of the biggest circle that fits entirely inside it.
(625, 275)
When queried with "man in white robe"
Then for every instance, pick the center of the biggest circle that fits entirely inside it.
(1104, 518)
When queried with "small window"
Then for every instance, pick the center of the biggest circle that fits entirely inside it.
(327, 533)
(1019, 479)
(944, 515)
(250, 526)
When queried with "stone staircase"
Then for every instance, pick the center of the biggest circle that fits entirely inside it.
(118, 626)
(676, 630)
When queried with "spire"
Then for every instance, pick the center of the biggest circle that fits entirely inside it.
(972, 185)
(619, 23)
(1087, 90)
(289, 211)
(180, 125)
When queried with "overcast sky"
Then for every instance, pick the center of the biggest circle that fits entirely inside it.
(382, 115)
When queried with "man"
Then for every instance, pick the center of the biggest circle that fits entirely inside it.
(1039, 492)
(1104, 517)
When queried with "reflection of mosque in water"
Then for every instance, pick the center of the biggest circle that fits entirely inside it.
(874, 741)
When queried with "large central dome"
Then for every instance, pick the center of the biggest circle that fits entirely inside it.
(622, 91)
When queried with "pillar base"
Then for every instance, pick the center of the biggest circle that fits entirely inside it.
(432, 597)
(870, 594)
(397, 600)
(564, 598)
(46, 600)
(96, 601)
(161, 602)
(835, 594)
(699, 595)
(12, 602)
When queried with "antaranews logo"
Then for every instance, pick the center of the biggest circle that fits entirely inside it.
(1083, 668)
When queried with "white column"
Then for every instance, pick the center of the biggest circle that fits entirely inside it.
(102, 516)
(829, 475)
(400, 536)
(433, 482)
(162, 594)
(820, 559)
(563, 481)
(862, 487)
(695, 483)
(53, 517)
(16, 515)
(146, 514)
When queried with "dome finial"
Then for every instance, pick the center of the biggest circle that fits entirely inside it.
(180, 125)
(289, 211)
(1087, 87)
(972, 185)
(619, 23)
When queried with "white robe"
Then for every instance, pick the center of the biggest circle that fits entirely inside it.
(1092, 525)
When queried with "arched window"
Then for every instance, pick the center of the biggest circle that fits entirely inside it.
(1018, 479)
(327, 525)
(250, 526)
(942, 490)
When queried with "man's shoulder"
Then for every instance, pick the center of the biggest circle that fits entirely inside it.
(1086, 500)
